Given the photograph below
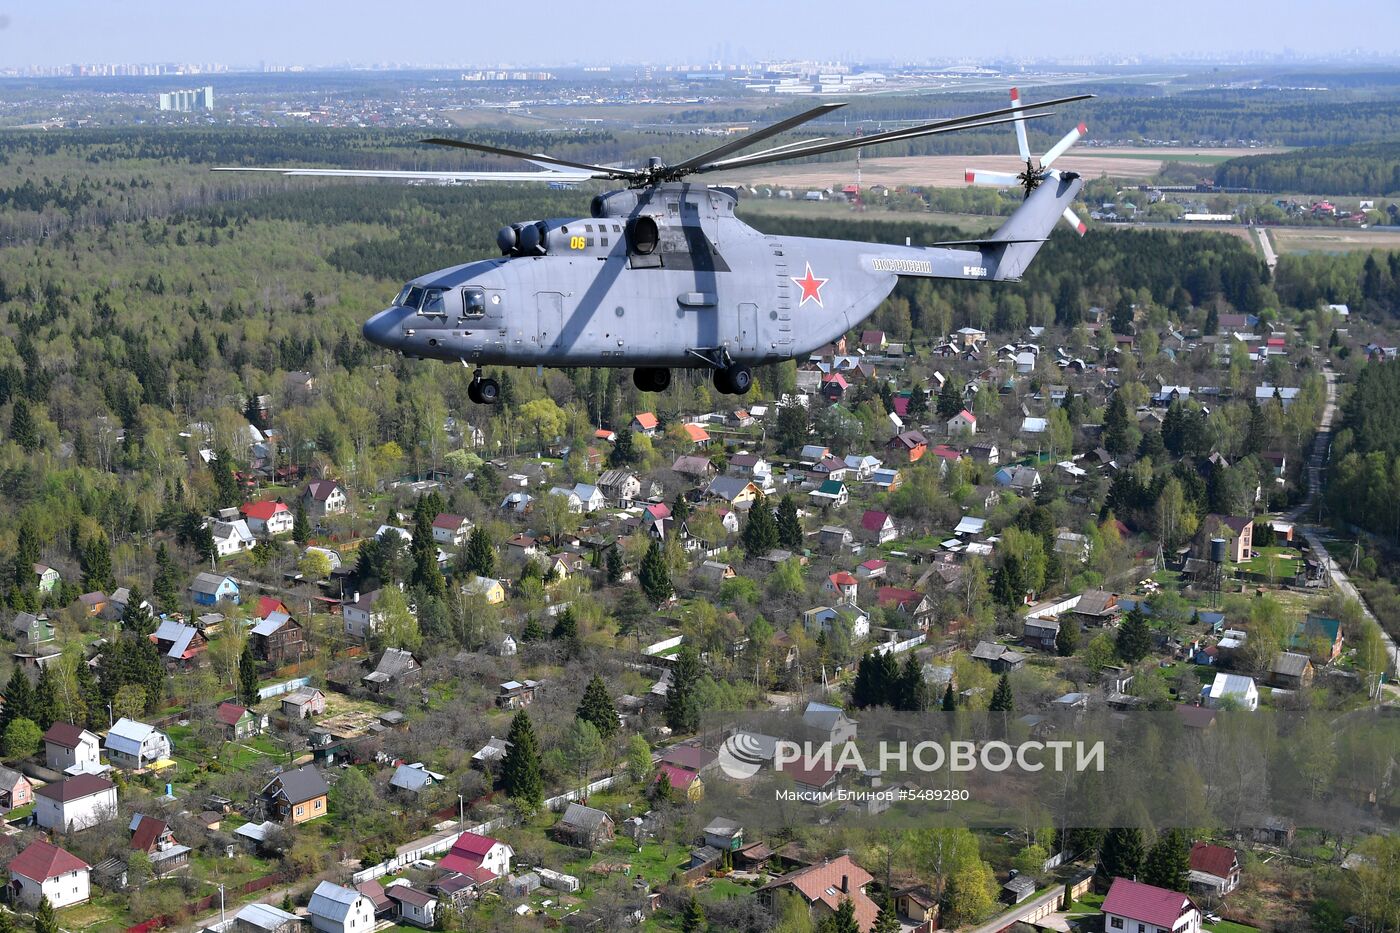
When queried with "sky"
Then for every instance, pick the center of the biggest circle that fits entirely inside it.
(328, 32)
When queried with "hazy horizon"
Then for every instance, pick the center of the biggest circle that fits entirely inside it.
(435, 32)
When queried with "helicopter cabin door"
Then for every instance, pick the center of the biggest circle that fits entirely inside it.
(549, 333)
(748, 326)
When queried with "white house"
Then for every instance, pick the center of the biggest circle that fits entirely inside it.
(43, 870)
(1134, 907)
(75, 804)
(473, 851)
(267, 519)
(451, 530)
(590, 497)
(337, 909)
(824, 618)
(134, 745)
(360, 615)
(1231, 689)
(963, 421)
(323, 497)
(575, 505)
(231, 537)
(72, 749)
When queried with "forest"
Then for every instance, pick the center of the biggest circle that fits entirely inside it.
(1369, 169)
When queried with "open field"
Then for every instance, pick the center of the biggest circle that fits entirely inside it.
(1331, 239)
(945, 171)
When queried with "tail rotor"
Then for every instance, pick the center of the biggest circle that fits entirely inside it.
(1037, 170)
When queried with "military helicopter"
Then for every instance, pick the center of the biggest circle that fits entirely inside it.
(663, 275)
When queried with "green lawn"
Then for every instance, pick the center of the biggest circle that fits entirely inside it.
(1089, 903)
(1228, 926)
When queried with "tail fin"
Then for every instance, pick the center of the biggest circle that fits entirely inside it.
(1012, 247)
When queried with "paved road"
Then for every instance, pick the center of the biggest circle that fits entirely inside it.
(1021, 910)
(1322, 443)
(1270, 256)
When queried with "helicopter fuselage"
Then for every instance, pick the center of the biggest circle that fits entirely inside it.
(658, 277)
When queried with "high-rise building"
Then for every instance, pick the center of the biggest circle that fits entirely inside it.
(188, 101)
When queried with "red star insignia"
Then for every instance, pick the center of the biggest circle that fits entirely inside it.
(811, 287)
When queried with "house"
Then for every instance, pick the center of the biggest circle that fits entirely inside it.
(723, 834)
(1073, 545)
(696, 433)
(829, 723)
(279, 639)
(303, 703)
(823, 619)
(568, 496)
(1238, 532)
(717, 571)
(962, 421)
(43, 870)
(413, 906)
(919, 904)
(969, 337)
(296, 796)
(516, 695)
(823, 887)
(1214, 869)
(414, 778)
(645, 423)
(322, 497)
(843, 585)
(154, 837)
(238, 722)
(15, 790)
(473, 852)
(584, 827)
(735, 490)
(489, 588)
(910, 603)
(1023, 480)
(832, 493)
(29, 629)
(451, 530)
(46, 578)
(878, 527)
(1041, 633)
(133, 745)
(1291, 671)
(1017, 888)
(361, 617)
(873, 569)
(76, 803)
(208, 588)
(1231, 690)
(1134, 907)
(999, 658)
(623, 487)
(985, 452)
(230, 538)
(685, 784)
(1320, 637)
(383, 907)
(94, 603)
(1286, 395)
(337, 909)
(268, 519)
(72, 749)
(751, 467)
(910, 444)
(862, 466)
(1034, 426)
(396, 668)
(264, 918)
(179, 644)
(834, 538)
(1096, 607)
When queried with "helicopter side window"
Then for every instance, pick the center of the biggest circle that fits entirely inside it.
(414, 298)
(473, 303)
(402, 296)
(432, 302)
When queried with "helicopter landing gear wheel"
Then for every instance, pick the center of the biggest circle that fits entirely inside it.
(733, 380)
(488, 391)
(474, 391)
(651, 378)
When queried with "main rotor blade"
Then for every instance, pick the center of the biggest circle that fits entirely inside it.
(749, 139)
(979, 176)
(537, 158)
(550, 175)
(1022, 146)
(1060, 147)
(858, 142)
(1074, 221)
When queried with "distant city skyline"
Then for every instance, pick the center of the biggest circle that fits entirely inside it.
(451, 34)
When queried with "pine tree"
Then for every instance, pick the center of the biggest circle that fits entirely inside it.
(28, 550)
(614, 565)
(45, 919)
(623, 452)
(868, 689)
(655, 576)
(23, 430)
(96, 561)
(760, 531)
(1002, 700)
(1067, 638)
(520, 769)
(533, 631)
(427, 575)
(680, 509)
(565, 626)
(301, 527)
(480, 553)
(913, 692)
(1168, 863)
(1134, 639)
(1121, 855)
(887, 920)
(19, 699)
(166, 586)
(950, 699)
(1117, 434)
(248, 676)
(597, 708)
(843, 920)
(226, 494)
(949, 400)
(136, 617)
(46, 705)
(790, 534)
(682, 703)
(693, 920)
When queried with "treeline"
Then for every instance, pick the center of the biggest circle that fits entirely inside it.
(1371, 168)
(1363, 484)
(1366, 282)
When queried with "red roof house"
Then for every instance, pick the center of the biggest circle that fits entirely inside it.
(1130, 903)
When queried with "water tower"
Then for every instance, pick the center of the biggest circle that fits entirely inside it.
(1217, 567)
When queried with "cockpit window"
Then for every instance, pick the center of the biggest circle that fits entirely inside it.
(432, 302)
(413, 298)
(473, 302)
(402, 297)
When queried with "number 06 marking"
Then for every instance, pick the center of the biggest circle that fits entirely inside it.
(577, 242)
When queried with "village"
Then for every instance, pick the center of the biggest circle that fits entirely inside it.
(471, 695)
